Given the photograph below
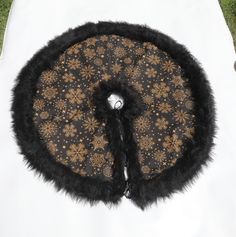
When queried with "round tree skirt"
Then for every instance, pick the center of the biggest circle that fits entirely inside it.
(109, 110)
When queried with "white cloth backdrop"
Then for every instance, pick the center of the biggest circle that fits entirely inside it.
(30, 207)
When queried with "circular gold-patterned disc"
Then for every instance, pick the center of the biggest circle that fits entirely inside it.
(64, 113)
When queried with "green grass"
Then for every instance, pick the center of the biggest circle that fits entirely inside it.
(4, 11)
(229, 10)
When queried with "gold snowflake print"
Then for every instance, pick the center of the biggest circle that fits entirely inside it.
(44, 115)
(60, 104)
(151, 72)
(154, 59)
(90, 124)
(172, 143)
(89, 53)
(68, 77)
(119, 52)
(49, 93)
(48, 77)
(52, 147)
(99, 142)
(106, 77)
(160, 90)
(189, 104)
(91, 41)
(141, 124)
(132, 71)
(159, 155)
(177, 81)
(128, 43)
(97, 160)
(69, 130)
(74, 64)
(38, 104)
(107, 171)
(179, 95)
(161, 123)
(87, 72)
(116, 68)
(145, 169)
(164, 107)
(148, 99)
(168, 66)
(47, 129)
(75, 114)
(189, 131)
(181, 116)
(75, 96)
(146, 142)
(77, 152)
(98, 61)
(100, 50)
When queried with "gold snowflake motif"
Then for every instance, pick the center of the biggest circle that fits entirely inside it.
(151, 72)
(47, 129)
(132, 71)
(141, 124)
(159, 155)
(91, 124)
(181, 116)
(106, 77)
(107, 171)
(69, 130)
(99, 142)
(74, 64)
(161, 123)
(164, 107)
(49, 93)
(177, 81)
(87, 72)
(75, 96)
(137, 86)
(116, 68)
(189, 104)
(97, 160)
(127, 42)
(149, 45)
(148, 99)
(100, 50)
(75, 114)
(189, 131)
(89, 53)
(153, 59)
(44, 115)
(179, 95)
(91, 41)
(168, 66)
(48, 77)
(60, 104)
(119, 52)
(160, 90)
(128, 60)
(77, 152)
(139, 51)
(146, 142)
(104, 38)
(52, 147)
(38, 104)
(172, 143)
(145, 169)
(73, 49)
(98, 61)
(68, 77)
